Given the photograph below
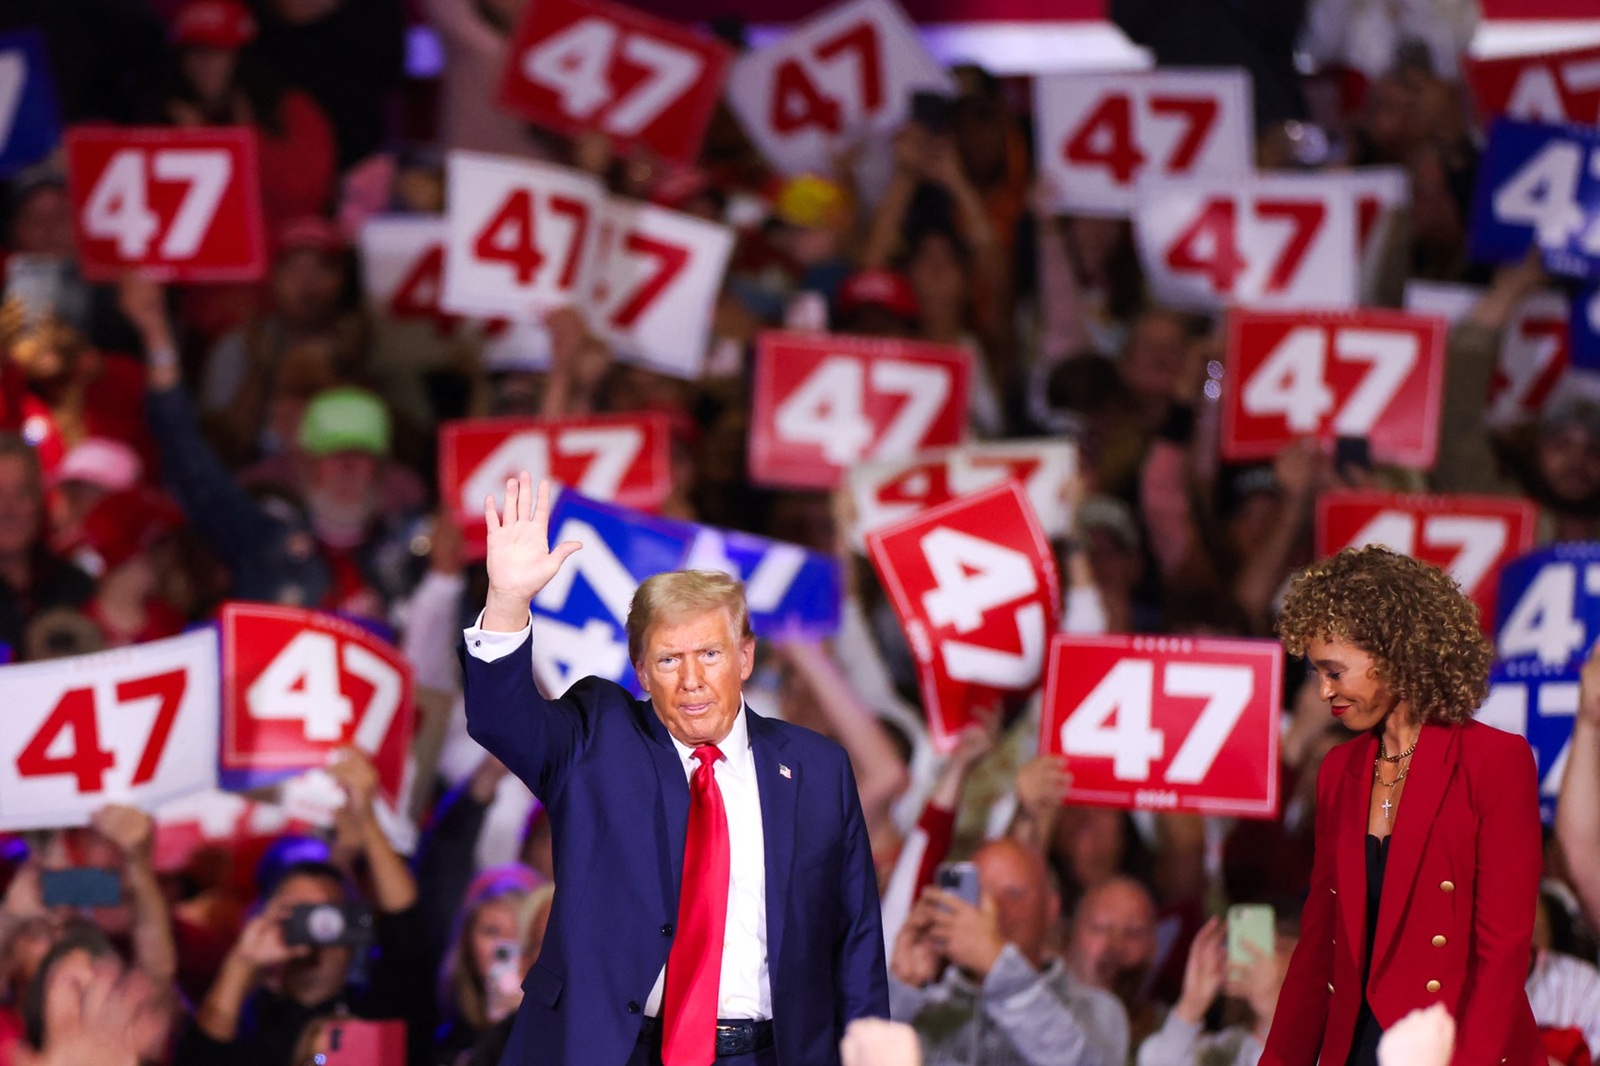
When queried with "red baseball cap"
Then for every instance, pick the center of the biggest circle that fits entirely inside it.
(120, 527)
(878, 288)
(224, 24)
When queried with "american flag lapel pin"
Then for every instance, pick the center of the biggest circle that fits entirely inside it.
(785, 771)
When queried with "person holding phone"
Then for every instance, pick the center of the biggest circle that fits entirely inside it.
(972, 970)
(1231, 959)
(294, 960)
(1426, 875)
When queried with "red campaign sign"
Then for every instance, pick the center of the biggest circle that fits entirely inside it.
(183, 205)
(298, 684)
(577, 65)
(1166, 723)
(1370, 373)
(824, 402)
(974, 584)
(1546, 87)
(625, 459)
(1470, 537)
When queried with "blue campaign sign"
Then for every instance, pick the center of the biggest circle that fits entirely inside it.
(1539, 185)
(580, 617)
(1548, 617)
(1548, 612)
(30, 121)
(1585, 328)
(1541, 708)
(792, 592)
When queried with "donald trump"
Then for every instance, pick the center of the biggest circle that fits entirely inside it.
(716, 897)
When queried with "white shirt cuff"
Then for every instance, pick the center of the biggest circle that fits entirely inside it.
(488, 645)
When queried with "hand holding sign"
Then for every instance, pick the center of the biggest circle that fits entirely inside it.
(521, 561)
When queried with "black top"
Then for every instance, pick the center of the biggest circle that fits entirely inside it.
(1364, 1048)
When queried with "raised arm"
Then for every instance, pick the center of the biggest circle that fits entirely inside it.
(1578, 807)
(521, 561)
(536, 738)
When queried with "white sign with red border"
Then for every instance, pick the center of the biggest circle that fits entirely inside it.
(1166, 723)
(841, 76)
(824, 402)
(522, 238)
(1273, 240)
(1553, 87)
(298, 685)
(1470, 537)
(974, 584)
(136, 726)
(1372, 374)
(177, 204)
(625, 459)
(657, 283)
(890, 492)
(578, 65)
(1101, 133)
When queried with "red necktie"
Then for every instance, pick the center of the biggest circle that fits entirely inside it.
(694, 967)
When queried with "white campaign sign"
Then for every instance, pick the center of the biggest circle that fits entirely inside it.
(843, 75)
(888, 492)
(136, 725)
(1272, 241)
(657, 283)
(522, 237)
(1100, 134)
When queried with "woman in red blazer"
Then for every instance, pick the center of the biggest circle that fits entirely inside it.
(1427, 839)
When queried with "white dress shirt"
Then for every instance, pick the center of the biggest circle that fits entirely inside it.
(745, 989)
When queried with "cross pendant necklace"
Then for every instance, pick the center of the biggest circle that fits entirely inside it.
(1387, 804)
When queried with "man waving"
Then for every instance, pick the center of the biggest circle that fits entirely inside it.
(717, 900)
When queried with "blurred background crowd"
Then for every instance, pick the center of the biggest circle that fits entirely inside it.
(165, 448)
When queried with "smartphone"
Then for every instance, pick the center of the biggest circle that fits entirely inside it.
(81, 886)
(930, 110)
(960, 879)
(358, 1042)
(1254, 924)
(1351, 454)
(37, 283)
(323, 925)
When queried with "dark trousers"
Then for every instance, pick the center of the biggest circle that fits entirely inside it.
(646, 1054)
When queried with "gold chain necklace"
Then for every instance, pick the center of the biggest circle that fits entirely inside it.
(1396, 758)
(1377, 774)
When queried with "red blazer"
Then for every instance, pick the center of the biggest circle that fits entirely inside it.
(1459, 892)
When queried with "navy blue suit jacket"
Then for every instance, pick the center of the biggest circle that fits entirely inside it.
(618, 800)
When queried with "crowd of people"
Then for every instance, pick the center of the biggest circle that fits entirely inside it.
(164, 448)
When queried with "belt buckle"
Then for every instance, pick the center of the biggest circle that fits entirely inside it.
(735, 1039)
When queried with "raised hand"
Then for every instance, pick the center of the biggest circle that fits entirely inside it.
(521, 561)
(1205, 972)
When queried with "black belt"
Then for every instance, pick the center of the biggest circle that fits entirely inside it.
(735, 1036)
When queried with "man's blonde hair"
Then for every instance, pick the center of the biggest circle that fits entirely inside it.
(679, 595)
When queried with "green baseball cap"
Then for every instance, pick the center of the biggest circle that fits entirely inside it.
(344, 420)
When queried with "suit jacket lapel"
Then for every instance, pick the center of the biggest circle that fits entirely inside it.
(1424, 790)
(1350, 826)
(674, 794)
(779, 792)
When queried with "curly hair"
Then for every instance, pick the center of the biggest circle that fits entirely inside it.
(1412, 618)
